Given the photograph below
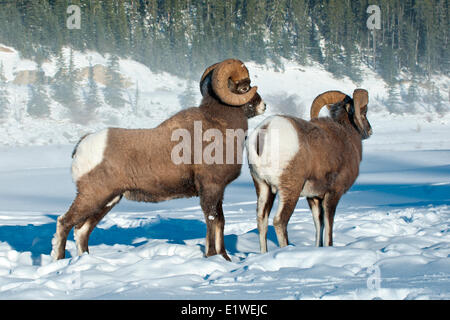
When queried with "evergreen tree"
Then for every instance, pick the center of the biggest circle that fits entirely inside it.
(186, 35)
(91, 101)
(412, 95)
(65, 84)
(113, 92)
(393, 103)
(72, 85)
(38, 105)
(334, 16)
(436, 100)
(387, 64)
(301, 29)
(60, 79)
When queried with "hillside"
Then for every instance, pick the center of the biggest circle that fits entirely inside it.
(150, 97)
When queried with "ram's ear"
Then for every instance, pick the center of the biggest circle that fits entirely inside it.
(350, 108)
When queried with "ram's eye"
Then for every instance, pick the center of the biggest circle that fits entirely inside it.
(244, 89)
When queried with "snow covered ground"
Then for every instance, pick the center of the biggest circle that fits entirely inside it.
(392, 238)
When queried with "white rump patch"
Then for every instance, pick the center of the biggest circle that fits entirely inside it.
(89, 154)
(280, 145)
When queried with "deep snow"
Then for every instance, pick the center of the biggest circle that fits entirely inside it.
(392, 239)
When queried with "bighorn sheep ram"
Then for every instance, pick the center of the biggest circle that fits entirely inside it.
(138, 163)
(317, 159)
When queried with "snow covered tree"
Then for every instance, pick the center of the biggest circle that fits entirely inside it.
(72, 86)
(38, 105)
(393, 102)
(60, 79)
(85, 113)
(113, 91)
(91, 100)
(436, 99)
(412, 94)
(66, 85)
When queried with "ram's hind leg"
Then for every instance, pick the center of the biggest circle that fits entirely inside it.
(82, 208)
(286, 205)
(64, 224)
(329, 204)
(265, 203)
(84, 229)
(315, 204)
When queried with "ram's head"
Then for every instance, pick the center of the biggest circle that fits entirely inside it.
(229, 82)
(356, 108)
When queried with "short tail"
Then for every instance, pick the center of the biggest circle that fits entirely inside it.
(78, 143)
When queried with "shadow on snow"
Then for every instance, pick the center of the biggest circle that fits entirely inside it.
(37, 238)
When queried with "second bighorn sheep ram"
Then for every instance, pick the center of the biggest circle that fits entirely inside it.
(317, 159)
(138, 163)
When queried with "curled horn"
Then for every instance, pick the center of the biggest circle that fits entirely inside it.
(235, 70)
(360, 99)
(326, 99)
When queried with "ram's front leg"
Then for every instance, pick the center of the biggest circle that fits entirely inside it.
(211, 203)
(219, 226)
